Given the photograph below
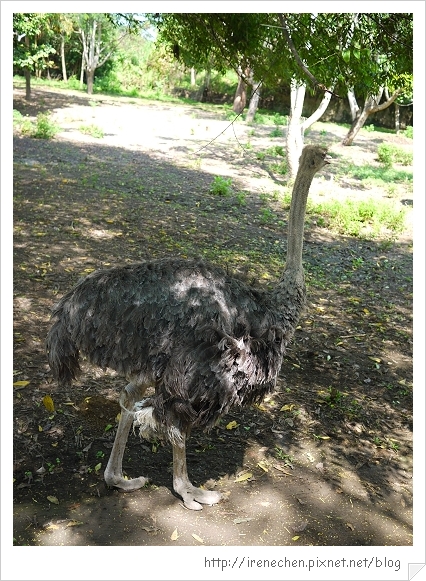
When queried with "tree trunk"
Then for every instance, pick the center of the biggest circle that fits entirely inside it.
(90, 76)
(296, 127)
(64, 68)
(355, 127)
(294, 141)
(27, 73)
(82, 71)
(397, 122)
(254, 102)
(354, 107)
(202, 93)
(192, 77)
(240, 98)
(319, 111)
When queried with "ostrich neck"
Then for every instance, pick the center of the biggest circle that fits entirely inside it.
(297, 220)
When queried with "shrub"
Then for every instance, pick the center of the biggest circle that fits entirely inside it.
(389, 154)
(385, 154)
(277, 132)
(221, 186)
(408, 132)
(43, 128)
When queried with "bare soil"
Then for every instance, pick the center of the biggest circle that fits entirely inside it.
(327, 460)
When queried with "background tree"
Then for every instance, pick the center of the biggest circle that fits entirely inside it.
(100, 36)
(64, 27)
(382, 29)
(29, 51)
(220, 42)
(98, 40)
(322, 53)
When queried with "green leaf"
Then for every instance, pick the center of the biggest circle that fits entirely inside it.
(346, 55)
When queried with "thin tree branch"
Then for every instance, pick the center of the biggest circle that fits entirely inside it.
(298, 60)
(388, 102)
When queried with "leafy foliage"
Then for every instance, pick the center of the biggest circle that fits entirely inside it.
(372, 54)
(221, 186)
(28, 51)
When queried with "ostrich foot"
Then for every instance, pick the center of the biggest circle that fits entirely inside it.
(125, 485)
(193, 497)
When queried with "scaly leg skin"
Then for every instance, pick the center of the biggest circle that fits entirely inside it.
(192, 496)
(113, 474)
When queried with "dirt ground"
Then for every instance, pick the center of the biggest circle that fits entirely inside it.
(326, 460)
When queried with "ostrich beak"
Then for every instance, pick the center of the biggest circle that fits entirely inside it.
(328, 159)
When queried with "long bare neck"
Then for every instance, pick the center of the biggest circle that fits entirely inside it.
(297, 219)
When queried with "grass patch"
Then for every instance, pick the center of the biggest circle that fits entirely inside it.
(18, 118)
(42, 128)
(382, 174)
(408, 132)
(364, 219)
(389, 154)
(279, 168)
(92, 130)
(265, 117)
(221, 186)
(276, 132)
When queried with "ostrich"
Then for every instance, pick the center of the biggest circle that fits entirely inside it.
(206, 341)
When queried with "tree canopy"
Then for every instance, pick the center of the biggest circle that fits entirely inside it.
(367, 51)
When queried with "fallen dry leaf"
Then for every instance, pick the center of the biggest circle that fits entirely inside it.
(277, 467)
(264, 465)
(232, 425)
(197, 538)
(51, 527)
(238, 521)
(243, 477)
(21, 383)
(174, 536)
(53, 499)
(48, 403)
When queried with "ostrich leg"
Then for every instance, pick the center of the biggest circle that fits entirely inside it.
(192, 496)
(114, 471)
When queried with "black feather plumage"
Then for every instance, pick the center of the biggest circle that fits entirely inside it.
(203, 338)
